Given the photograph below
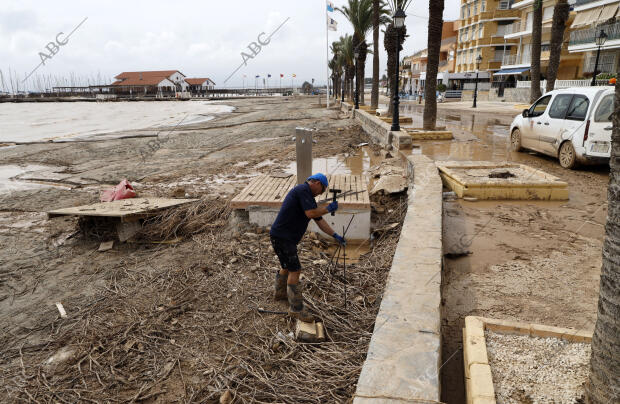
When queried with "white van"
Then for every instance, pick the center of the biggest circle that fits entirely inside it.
(572, 124)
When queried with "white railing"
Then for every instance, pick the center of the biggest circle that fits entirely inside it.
(561, 83)
(511, 60)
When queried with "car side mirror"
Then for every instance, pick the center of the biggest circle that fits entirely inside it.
(525, 113)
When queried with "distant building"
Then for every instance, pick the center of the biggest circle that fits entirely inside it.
(591, 18)
(200, 85)
(517, 56)
(161, 82)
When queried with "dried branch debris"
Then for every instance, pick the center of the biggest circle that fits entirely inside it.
(189, 331)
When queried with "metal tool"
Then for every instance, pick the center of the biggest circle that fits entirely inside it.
(335, 193)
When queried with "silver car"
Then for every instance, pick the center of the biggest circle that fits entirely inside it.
(573, 125)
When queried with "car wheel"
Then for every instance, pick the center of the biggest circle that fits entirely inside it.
(567, 156)
(515, 141)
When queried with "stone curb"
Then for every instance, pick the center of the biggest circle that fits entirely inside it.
(478, 379)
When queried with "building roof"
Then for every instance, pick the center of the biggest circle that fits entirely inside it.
(153, 73)
(197, 81)
(144, 81)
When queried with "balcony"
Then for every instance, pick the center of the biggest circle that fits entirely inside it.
(517, 28)
(516, 60)
(582, 2)
(588, 36)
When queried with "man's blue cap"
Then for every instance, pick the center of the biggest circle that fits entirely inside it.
(319, 177)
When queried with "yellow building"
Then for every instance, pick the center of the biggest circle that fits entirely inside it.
(517, 58)
(481, 33)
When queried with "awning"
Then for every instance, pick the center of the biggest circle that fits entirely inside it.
(609, 11)
(587, 17)
(508, 72)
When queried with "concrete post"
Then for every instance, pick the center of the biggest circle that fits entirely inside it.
(304, 153)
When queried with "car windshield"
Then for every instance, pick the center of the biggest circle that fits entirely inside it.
(605, 109)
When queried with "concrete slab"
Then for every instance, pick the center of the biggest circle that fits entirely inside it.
(489, 180)
(405, 350)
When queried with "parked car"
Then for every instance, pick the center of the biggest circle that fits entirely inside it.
(573, 125)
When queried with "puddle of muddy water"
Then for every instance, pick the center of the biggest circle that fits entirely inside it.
(356, 164)
(9, 182)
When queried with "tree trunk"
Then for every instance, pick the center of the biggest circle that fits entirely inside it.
(389, 42)
(435, 28)
(536, 40)
(560, 16)
(363, 49)
(374, 95)
(604, 383)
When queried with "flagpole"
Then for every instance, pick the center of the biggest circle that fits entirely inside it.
(326, 52)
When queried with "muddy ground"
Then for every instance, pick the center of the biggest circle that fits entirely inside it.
(529, 261)
(178, 322)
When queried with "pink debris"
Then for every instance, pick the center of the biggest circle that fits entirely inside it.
(123, 190)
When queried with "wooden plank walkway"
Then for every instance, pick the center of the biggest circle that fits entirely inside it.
(270, 191)
(124, 208)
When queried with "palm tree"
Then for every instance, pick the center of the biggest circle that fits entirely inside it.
(374, 94)
(336, 65)
(604, 383)
(346, 55)
(390, 38)
(435, 29)
(536, 41)
(360, 15)
(560, 16)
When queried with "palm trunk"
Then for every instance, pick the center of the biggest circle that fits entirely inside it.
(362, 68)
(604, 383)
(560, 16)
(392, 35)
(374, 95)
(435, 28)
(536, 41)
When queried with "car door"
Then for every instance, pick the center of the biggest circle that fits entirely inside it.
(598, 142)
(529, 131)
(551, 124)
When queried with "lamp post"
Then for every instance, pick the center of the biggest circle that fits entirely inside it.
(478, 61)
(399, 22)
(356, 54)
(600, 41)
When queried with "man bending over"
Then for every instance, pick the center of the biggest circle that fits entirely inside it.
(298, 208)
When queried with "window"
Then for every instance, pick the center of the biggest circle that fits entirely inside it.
(578, 108)
(548, 13)
(483, 6)
(560, 106)
(539, 107)
(605, 110)
(480, 30)
(474, 31)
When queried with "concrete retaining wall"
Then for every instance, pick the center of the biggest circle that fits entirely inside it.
(379, 131)
(404, 355)
(520, 95)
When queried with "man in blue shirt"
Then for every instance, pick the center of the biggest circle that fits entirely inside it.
(298, 208)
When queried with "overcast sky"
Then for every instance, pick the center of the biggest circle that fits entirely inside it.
(199, 38)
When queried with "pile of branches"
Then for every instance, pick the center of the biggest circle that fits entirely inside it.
(180, 324)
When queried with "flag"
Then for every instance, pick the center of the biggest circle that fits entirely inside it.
(281, 75)
(330, 6)
(332, 24)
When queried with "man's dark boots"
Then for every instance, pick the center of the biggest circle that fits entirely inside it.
(280, 287)
(296, 307)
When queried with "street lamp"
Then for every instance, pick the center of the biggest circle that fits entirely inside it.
(600, 41)
(399, 21)
(478, 61)
(356, 55)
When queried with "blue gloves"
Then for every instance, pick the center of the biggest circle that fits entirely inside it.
(332, 207)
(340, 239)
